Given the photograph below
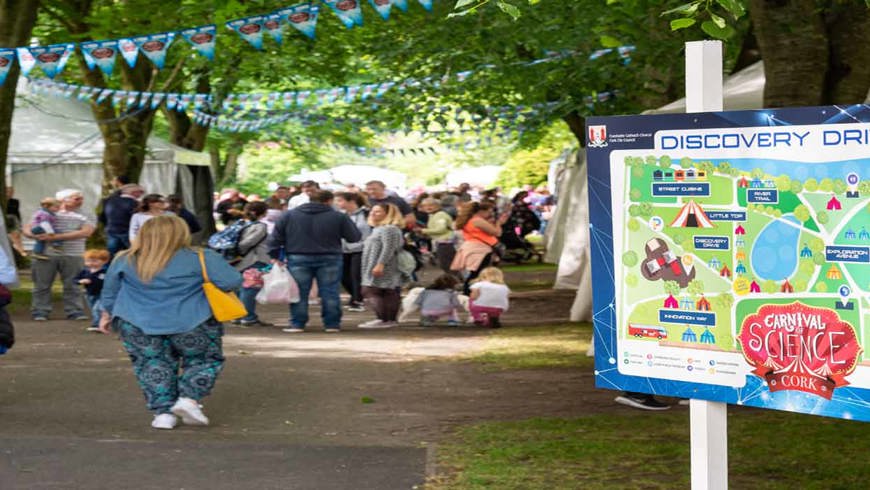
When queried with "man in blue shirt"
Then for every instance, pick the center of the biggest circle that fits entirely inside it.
(310, 237)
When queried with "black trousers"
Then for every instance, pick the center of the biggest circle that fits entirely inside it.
(486, 262)
(351, 276)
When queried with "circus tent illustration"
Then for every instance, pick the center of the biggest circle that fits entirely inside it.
(756, 183)
(850, 234)
(740, 242)
(707, 337)
(686, 303)
(740, 255)
(863, 235)
(740, 269)
(740, 230)
(725, 272)
(743, 183)
(834, 204)
(671, 302)
(834, 273)
(692, 216)
(689, 335)
(702, 304)
(715, 263)
(786, 287)
(806, 253)
(754, 287)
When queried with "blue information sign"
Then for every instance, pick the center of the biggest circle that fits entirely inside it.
(734, 266)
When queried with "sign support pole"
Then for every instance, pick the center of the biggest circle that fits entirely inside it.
(709, 422)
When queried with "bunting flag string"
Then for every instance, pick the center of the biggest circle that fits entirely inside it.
(203, 37)
(101, 54)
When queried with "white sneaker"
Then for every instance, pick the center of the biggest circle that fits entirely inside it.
(165, 421)
(378, 324)
(371, 324)
(189, 411)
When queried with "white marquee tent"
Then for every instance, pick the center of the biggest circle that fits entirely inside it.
(568, 235)
(56, 145)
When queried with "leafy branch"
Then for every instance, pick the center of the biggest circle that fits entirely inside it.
(711, 13)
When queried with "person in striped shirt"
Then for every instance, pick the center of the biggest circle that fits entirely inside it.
(73, 229)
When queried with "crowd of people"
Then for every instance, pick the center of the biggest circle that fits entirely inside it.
(147, 284)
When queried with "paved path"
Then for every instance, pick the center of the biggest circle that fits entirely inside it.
(355, 410)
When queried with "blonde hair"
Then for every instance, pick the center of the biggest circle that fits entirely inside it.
(156, 243)
(47, 202)
(393, 217)
(491, 274)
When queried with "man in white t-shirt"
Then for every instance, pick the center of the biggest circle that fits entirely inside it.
(309, 188)
(73, 229)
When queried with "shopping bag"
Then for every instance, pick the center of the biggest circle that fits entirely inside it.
(278, 287)
(224, 306)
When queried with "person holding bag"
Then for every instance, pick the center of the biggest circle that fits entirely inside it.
(154, 296)
(254, 259)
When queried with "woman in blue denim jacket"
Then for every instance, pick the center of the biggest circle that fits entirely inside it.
(153, 297)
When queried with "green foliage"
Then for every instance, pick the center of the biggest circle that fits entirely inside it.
(696, 287)
(770, 286)
(671, 287)
(633, 225)
(712, 14)
(801, 213)
(826, 184)
(811, 185)
(823, 217)
(631, 280)
(629, 259)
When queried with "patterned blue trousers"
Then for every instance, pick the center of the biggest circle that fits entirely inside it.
(157, 358)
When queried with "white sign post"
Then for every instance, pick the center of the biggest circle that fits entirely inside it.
(709, 423)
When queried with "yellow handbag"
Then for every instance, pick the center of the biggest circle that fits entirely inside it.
(225, 306)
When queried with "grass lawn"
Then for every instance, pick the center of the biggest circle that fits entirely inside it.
(529, 267)
(537, 347)
(23, 294)
(767, 449)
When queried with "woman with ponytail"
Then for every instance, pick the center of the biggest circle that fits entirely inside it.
(480, 234)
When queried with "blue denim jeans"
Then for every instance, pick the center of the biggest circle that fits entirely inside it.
(96, 309)
(117, 243)
(327, 270)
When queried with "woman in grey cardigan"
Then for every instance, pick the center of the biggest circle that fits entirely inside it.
(254, 254)
(381, 278)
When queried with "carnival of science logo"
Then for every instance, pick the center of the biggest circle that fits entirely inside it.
(801, 348)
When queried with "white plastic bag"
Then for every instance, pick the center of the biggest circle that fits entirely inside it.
(278, 287)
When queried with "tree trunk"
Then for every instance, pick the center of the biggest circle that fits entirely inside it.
(849, 68)
(794, 46)
(577, 124)
(17, 18)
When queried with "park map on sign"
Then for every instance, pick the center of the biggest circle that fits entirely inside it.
(721, 256)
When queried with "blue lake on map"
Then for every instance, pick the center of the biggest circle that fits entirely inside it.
(775, 252)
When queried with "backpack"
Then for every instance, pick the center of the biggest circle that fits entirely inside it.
(226, 241)
(410, 261)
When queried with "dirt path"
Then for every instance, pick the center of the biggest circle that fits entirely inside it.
(364, 397)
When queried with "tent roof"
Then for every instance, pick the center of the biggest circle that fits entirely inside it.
(742, 90)
(52, 130)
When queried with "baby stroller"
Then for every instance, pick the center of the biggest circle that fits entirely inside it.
(516, 248)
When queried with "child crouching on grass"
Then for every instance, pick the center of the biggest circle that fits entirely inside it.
(488, 298)
(91, 277)
(439, 299)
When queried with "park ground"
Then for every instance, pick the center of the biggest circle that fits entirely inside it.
(435, 408)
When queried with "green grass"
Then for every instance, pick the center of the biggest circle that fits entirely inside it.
(23, 295)
(529, 268)
(767, 450)
(551, 346)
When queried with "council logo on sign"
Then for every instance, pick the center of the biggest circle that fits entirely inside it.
(597, 137)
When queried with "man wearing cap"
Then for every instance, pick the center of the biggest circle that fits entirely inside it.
(73, 228)
(118, 209)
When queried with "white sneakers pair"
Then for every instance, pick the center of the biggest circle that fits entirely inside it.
(377, 324)
(187, 408)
